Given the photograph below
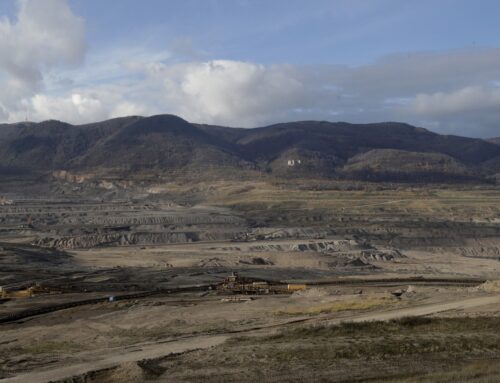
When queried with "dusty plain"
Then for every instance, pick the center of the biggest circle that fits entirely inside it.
(402, 282)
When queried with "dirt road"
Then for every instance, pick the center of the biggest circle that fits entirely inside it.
(156, 350)
(129, 354)
(420, 310)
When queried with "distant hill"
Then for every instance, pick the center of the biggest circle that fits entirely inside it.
(495, 140)
(391, 164)
(167, 144)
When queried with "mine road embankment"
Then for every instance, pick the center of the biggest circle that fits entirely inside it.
(390, 282)
(24, 314)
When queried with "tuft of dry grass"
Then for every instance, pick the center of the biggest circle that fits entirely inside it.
(358, 303)
(484, 371)
(408, 350)
(50, 347)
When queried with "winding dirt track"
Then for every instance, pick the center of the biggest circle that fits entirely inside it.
(161, 349)
(129, 354)
(422, 310)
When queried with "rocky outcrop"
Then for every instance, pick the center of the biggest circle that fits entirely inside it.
(125, 239)
(330, 246)
(386, 255)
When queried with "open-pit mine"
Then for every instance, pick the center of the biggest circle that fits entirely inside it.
(262, 279)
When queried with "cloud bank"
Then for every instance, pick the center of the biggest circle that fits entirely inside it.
(45, 36)
(452, 92)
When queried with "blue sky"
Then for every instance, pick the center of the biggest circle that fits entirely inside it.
(253, 62)
(351, 32)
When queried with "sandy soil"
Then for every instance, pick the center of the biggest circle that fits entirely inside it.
(80, 249)
(101, 359)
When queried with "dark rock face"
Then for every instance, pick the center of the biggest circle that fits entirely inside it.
(167, 144)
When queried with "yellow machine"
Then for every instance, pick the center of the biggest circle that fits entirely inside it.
(296, 287)
(24, 293)
(242, 285)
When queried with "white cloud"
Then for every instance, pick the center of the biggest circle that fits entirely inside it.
(473, 110)
(232, 92)
(75, 108)
(417, 88)
(421, 72)
(247, 94)
(465, 100)
(127, 108)
(82, 105)
(45, 35)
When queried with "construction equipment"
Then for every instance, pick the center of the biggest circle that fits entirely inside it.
(243, 285)
(23, 293)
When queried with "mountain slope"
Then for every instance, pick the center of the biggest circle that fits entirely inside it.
(345, 140)
(167, 144)
(324, 148)
(392, 164)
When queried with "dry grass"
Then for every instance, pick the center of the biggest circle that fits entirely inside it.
(171, 329)
(50, 347)
(264, 197)
(358, 303)
(415, 350)
(487, 371)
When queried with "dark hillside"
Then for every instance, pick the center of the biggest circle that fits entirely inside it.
(168, 144)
